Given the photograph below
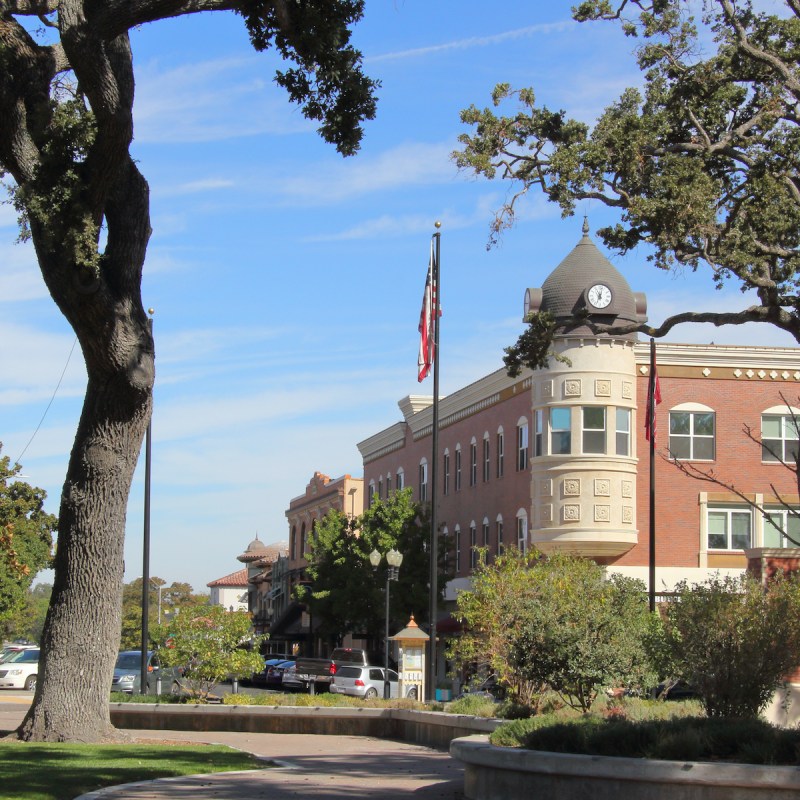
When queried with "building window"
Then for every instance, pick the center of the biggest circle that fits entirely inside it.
(293, 543)
(370, 494)
(302, 540)
(779, 438)
(446, 472)
(458, 467)
(399, 479)
(777, 524)
(594, 429)
(487, 464)
(473, 463)
(538, 432)
(473, 546)
(691, 435)
(522, 445)
(501, 452)
(457, 537)
(729, 528)
(498, 526)
(485, 532)
(522, 530)
(623, 432)
(380, 488)
(388, 484)
(446, 548)
(423, 480)
(560, 431)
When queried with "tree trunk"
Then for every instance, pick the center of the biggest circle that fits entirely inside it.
(82, 630)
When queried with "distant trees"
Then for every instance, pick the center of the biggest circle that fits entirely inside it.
(26, 541)
(175, 598)
(345, 595)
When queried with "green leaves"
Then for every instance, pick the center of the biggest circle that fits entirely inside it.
(328, 81)
(703, 164)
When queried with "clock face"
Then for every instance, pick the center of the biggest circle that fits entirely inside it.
(599, 295)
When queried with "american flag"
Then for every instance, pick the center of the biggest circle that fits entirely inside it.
(427, 321)
(653, 399)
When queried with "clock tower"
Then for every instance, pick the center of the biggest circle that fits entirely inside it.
(583, 459)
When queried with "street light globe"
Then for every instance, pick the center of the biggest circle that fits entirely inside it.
(394, 557)
(375, 558)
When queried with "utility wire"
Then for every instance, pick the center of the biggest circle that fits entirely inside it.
(55, 391)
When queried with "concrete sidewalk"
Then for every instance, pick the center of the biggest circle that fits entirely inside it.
(301, 766)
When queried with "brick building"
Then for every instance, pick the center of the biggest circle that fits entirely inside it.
(557, 458)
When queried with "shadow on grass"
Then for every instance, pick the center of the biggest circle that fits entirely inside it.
(37, 771)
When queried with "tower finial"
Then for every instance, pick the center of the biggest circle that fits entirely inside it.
(585, 225)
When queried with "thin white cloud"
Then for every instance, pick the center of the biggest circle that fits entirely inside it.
(203, 185)
(210, 101)
(476, 41)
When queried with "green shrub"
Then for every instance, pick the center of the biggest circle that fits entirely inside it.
(748, 741)
(734, 640)
(473, 705)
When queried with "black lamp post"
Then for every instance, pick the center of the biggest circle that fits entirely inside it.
(394, 559)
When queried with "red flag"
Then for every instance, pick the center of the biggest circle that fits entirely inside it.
(653, 397)
(427, 322)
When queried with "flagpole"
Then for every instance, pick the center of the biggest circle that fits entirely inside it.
(651, 411)
(434, 560)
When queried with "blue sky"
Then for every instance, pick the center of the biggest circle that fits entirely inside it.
(287, 281)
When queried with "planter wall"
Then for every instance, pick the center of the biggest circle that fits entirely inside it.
(428, 728)
(501, 773)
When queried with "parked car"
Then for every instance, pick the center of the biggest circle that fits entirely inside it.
(20, 669)
(11, 649)
(127, 673)
(290, 680)
(366, 682)
(273, 675)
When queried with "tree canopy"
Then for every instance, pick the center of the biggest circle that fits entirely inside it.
(67, 87)
(702, 163)
(26, 541)
(345, 594)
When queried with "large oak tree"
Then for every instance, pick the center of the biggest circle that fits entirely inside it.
(66, 125)
(703, 163)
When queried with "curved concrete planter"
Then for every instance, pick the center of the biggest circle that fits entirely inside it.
(502, 773)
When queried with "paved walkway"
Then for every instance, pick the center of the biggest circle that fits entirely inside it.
(318, 767)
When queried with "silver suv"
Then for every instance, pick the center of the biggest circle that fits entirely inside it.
(366, 682)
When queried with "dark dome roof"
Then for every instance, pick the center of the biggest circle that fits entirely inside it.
(564, 291)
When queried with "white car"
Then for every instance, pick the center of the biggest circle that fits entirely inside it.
(366, 682)
(20, 670)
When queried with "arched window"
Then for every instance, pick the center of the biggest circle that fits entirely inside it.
(522, 444)
(473, 545)
(779, 434)
(293, 543)
(473, 461)
(302, 552)
(486, 457)
(501, 451)
(457, 537)
(498, 527)
(423, 480)
(446, 472)
(692, 432)
(400, 479)
(458, 467)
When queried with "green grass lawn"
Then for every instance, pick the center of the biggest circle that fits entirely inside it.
(34, 771)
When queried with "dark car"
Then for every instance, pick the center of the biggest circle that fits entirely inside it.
(274, 671)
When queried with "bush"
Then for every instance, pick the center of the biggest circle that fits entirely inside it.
(734, 640)
(747, 741)
(473, 705)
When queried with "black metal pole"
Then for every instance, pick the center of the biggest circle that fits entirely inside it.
(146, 545)
(434, 554)
(386, 639)
(651, 410)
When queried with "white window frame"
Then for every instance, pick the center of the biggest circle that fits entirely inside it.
(694, 439)
(423, 480)
(786, 423)
(501, 451)
(554, 431)
(523, 444)
(589, 434)
(622, 433)
(729, 512)
(458, 469)
(473, 462)
(487, 458)
(522, 530)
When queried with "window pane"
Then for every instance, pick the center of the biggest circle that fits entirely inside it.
(594, 417)
(560, 418)
(679, 422)
(704, 424)
(623, 419)
(561, 443)
(773, 536)
(717, 530)
(740, 526)
(771, 449)
(680, 446)
(703, 449)
(771, 427)
(623, 444)
(594, 442)
(793, 529)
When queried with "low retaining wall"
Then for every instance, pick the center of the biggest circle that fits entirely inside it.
(428, 728)
(502, 773)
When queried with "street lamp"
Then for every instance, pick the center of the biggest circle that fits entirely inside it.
(394, 559)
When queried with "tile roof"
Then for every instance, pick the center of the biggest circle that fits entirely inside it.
(238, 578)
